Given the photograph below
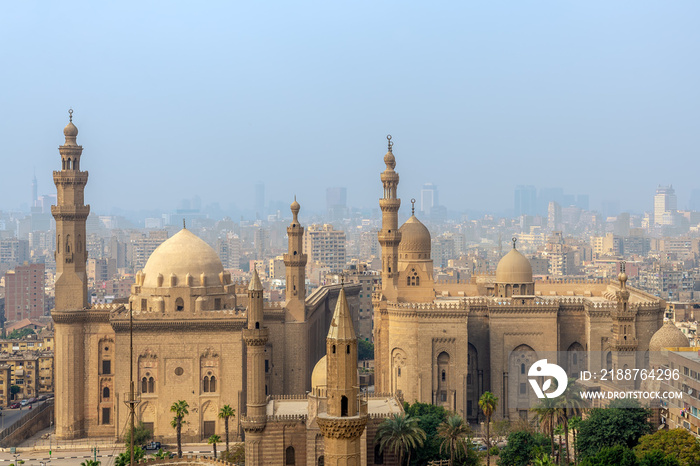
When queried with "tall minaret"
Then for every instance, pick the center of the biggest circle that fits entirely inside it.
(71, 288)
(296, 339)
(343, 423)
(389, 236)
(295, 266)
(255, 336)
(624, 338)
(70, 214)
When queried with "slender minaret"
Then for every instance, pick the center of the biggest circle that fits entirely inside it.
(296, 380)
(624, 339)
(71, 287)
(389, 236)
(295, 267)
(343, 423)
(255, 336)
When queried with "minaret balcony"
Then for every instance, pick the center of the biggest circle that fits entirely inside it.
(625, 345)
(255, 336)
(253, 423)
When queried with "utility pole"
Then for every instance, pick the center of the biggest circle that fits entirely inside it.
(131, 399)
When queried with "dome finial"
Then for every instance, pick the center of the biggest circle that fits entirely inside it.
(184, 227)
(389, 143)
(295, 207)
(413, 206)
(70, 115)
(622, 276)
(514, 240)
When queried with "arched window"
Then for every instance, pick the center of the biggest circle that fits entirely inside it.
(80, 244)
(408, 281)
(105, 393)
(289, 456)
(206, 384)
(212, 384)
(522, 368)
(378, 455)
(179, 304)
(417, 281)
(343, 406)
(347, 349)
(608, 361)
(151, 385)
(333, 349)
(257, 325)
(443, 376)
(144, 385)
(67, 244)
(58, 244)
(321, 461)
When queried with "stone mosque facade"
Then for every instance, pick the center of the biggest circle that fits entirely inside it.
(448, 343)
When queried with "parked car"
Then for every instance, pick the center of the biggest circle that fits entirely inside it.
(43, 397)
(32, 400)
(152, 446)
(24, 402)
(14, 406)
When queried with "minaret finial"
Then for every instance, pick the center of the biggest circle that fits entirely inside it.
(184, 227)
(389, 143)
(413, 206)
(514, 239)
(70, 115)
(342, 280)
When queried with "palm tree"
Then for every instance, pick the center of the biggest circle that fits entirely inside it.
(572, 405)
(225, 413)
(574, 423)
(161, 455)
(549, 413)
(180, 410)
(213, 440)
(488, 403)
(400, 433)
(453, 432)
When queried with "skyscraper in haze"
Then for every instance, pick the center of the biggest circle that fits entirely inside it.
(525, 201)
(665, 205)
(260, 200)
(428, 198)
(336, 202)
(35, 197)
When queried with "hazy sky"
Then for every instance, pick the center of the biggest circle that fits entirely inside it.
(174, 99)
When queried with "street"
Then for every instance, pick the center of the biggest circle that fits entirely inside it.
(65, 457)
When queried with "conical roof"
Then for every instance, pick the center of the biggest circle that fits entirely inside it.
(255, 284)
(341, 325)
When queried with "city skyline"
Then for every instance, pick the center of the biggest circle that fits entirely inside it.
(200, 95)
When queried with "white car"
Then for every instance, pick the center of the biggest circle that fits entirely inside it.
(24, 402)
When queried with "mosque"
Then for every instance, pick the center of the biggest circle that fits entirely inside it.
(290, 369)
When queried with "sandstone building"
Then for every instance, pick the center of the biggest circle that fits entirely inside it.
(447, 343)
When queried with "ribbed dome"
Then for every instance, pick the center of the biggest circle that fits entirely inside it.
(319, 374)
(514, 268)
(668, 336)
(184, 253)
(415, 237)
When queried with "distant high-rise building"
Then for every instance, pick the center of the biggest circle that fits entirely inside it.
(428, 198)
(14, 251)
(553, 216)
(260, 200)
(34, 192)
(694, 200)
(665, 205)
(24, 292)
(326, 246)
(336, 202)
(582, 201)
(525, 202)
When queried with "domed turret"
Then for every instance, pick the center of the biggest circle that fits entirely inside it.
(514, 275)
(319, 375)
(70, 131)
(415, 239)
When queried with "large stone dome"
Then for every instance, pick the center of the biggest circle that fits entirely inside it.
(415, 238)
(668, 336)
(514, 268)
(319, 374)
(185, 253)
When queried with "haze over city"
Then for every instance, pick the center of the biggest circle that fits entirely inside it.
(176, 100)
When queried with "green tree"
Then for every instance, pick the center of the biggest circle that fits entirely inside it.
(574, 423)
(14, 389)
(429, 418)
(454, 432)
(124, 459)
(622, 423)
(225, 413)
(548, 411)
(236, 456)
(161, 454)
(141, 435)
(488, 403)
(365, 350)
(180, 410)
(617, 455)
(18, 334)
(213, 440)
(90, 463)
(543, 460)
(571, 405)
(657, 458)
(522, 448)
(399, 433)
(678, 443)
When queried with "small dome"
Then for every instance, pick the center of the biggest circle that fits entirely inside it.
(319, 374)
(70, 131)
(390, 160)
(514, 268)
(415, 237)
(184, 253)
(668, 336)
(295, 205)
